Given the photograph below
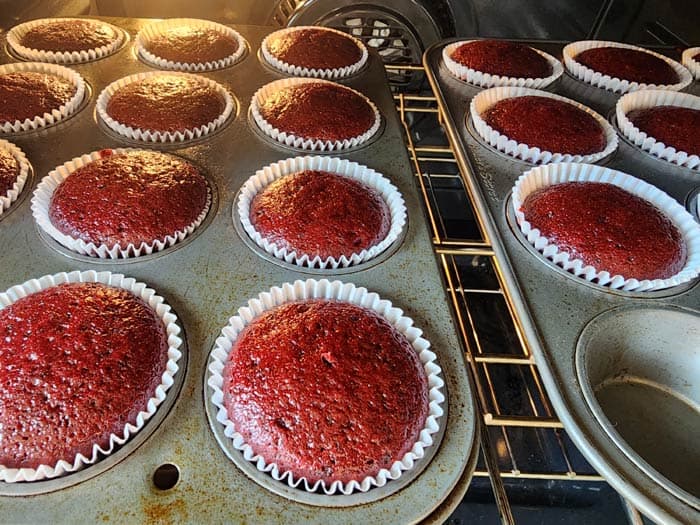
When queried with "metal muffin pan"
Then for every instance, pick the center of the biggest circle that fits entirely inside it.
(559, 313)
(205, 280)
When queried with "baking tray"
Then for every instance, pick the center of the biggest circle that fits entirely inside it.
(206, 279)
(558, 312)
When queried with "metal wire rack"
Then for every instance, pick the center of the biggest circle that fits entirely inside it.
(521, 437)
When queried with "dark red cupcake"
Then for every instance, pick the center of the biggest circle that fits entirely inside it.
(678, 127)
(30, 94)
(503, 58)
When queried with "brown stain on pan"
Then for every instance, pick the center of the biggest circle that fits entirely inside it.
(174, 511)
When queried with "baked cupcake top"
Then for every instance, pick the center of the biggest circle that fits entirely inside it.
(191, 45)
(131, 197)
(9, 170)
(608, 228)
(374, 388)
(318, 213)
(678, 127)
(29, 94)
(77, 363)
(321, 111)
(500, 57)
(313, 48)
(166, 103)
(547, 123)
(628, 64)
(69, 35)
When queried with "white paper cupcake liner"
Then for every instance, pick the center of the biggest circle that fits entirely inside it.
(689, 62)
(41, 202)
(299, 71)
(324, 289)
(304, 143)
(650, 98)
(614, 84)
(15, 35)
(551, 174)
(56, 115)
(159, 28)
(486, 99)
(148, 295)
(488, 80)
(370, 178)
(149, 135)
(12, 193)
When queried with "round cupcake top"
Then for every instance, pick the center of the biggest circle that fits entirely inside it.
(678, 127)
(129, 198)
(608, 228)
(327, 390)
(69, 35)
(547, 123)
(629, 64)
(191, 45)
(29, 94)
(503, 58)
(77, 363)
(313, 48)
(166, 103)
(321, 111)
(9, 170)
(318, 213)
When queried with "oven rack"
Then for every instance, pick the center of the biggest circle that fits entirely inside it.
(522, 440)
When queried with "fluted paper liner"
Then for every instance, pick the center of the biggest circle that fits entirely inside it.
(57, 114)
(650, 98)
(41, 203)
(159, 28)
(614, 84)
(689, 62)
(172, 329)
(306, 143)
(486, 99)
(367, 176)
(155, 136)
(299, 71)
(348, 292)
(15, 35)
(17, 187)
(551, 174)
(488, 80)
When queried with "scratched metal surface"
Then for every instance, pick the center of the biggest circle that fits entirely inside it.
(206, 280)
(553, 306)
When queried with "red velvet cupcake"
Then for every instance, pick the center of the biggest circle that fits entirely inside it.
(314, 114)
(14, 170)
(380, 387)
(66, 401)
(65, 40)
(121, 203)
(314, 51)
(489, 63)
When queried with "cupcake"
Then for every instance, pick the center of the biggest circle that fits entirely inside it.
(64, 40)
(541, 127)
(164, 107)
(188, 44)
(381, 388)
(489, 63)
(311, 51)
(607, 226)
(85, 359)
(14, 170)
(622, 67)
(36, 95)
(665, 124)
(314, 114)
(691, 60)
(121, 203)
(321, 212)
